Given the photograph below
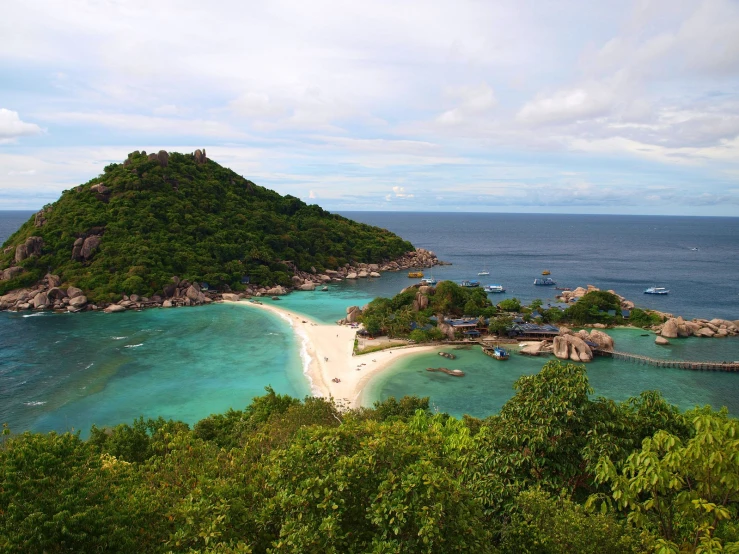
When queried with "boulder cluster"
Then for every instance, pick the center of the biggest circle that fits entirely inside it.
(568, 296)
(303, 280)
(676, 327)
(579, 346)
(47, 294)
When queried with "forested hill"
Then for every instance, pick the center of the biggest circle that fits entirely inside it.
(153, 216)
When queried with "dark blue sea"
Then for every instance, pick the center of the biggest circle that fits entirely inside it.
(69, 371)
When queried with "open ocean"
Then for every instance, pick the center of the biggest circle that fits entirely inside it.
(72, 370)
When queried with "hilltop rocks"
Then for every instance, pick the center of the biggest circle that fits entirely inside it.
(200, 156)
(39, 220)
(163, 158)
(32, 247)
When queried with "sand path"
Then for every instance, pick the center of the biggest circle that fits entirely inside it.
(329, 348)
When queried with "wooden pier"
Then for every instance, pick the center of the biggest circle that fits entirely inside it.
(679, 364)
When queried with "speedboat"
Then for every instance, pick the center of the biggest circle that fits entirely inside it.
(656, 290)
(470, 284)
(485, 272)
(494, 288)
(496, 352)
(429, 281)
(545, 282)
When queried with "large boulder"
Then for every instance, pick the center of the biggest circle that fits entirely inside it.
(53, 280)
(78, 301)
(114, 308)
(670, 329)
(40, 301)
(572, 347)
(705, 332)
(603, 340)
(55, 293)
(308, 286)
(362, 274)
(89, 246)
(276, 291)
(10, 273)
(163, 158)
(661, 341)
(351, 275)
(74, 292)
(421, 302)
(32, 247)
(374, 274)
(230, 297)
(352, 314)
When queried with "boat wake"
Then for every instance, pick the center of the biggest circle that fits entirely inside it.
(35, 403)
(134, 345)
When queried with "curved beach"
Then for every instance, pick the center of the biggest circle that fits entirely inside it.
(327, 352)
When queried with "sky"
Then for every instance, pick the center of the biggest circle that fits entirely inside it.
(628, 107)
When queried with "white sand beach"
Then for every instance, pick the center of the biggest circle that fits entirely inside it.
(329, 348)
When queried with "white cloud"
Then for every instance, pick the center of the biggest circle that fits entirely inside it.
(11, 126)
(568, 105)
(473, 101)
(22, 172)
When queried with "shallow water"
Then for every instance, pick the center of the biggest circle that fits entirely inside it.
(69, 371)
(488, 383)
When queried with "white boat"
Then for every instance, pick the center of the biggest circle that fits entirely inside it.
(656, 290)
(484, 272)
(494, 288)
(429, 281)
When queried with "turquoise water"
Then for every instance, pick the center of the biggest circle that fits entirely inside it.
(488, 383)
(69, 371)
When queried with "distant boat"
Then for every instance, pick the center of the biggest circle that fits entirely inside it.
(494, 289)
(546, 272)
(545, 282)
(429, 281)
(694, 248)
(325, 288)
(496, 352)
(484, 272)
(470, 283)
(415, 274)
(656, 290)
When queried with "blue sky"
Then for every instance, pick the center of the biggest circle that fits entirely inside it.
(505, 106)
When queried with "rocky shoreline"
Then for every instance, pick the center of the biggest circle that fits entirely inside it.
(671, 327)
(50, 295)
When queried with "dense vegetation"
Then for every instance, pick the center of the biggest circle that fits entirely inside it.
(199, 221)
(555, 471)
(405, 316)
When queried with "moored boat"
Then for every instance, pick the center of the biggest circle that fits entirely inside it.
(495, 289)
(656, 290)
(470, 284)
(429, 281)
(415, 274)
(546, 272)
(496, 352)
(484, 272)
(545, 282)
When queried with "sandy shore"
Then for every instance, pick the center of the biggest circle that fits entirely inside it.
(329, 350)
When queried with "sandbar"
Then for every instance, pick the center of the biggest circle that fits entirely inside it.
(328, 350)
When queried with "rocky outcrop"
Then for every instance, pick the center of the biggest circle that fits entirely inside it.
(114, 308)
(200, 156)
(307, 286)
(40, 301)
(669, 329)
(10, 273)
(84, 247)
(276, 291)
(572, 347)
(78, 301)
(230, 297)
(163, 158)
(351, 275)
(374, 274)
(603, 340)
(32, 247)
(445, 328)
(39, 220)
(352, 314)
(420, 302)
(74, 292)
(661, 341)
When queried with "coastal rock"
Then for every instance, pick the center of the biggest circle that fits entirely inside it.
(73, 292)
(352, 314)
(78, 301)
(572, 347)
(276, 291)
(565, 331)
(362, 274)
(374, 274)
(55, 293)
(669, 329)
(533, 348)
(230, 297)
(351, 275)
(297, 280)
(307, 286)
(661, 340)
(167, 304)
(40, 301)
(603, 340)
(114, 308)
(705, 332)
(324, 278)
(53, 280)
(721, 333)
(23, 306)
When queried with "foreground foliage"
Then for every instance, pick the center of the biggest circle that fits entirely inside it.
(555, 471)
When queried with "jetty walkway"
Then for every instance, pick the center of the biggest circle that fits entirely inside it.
(680, 364)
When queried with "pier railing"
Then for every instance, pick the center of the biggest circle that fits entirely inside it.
(680, 364)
